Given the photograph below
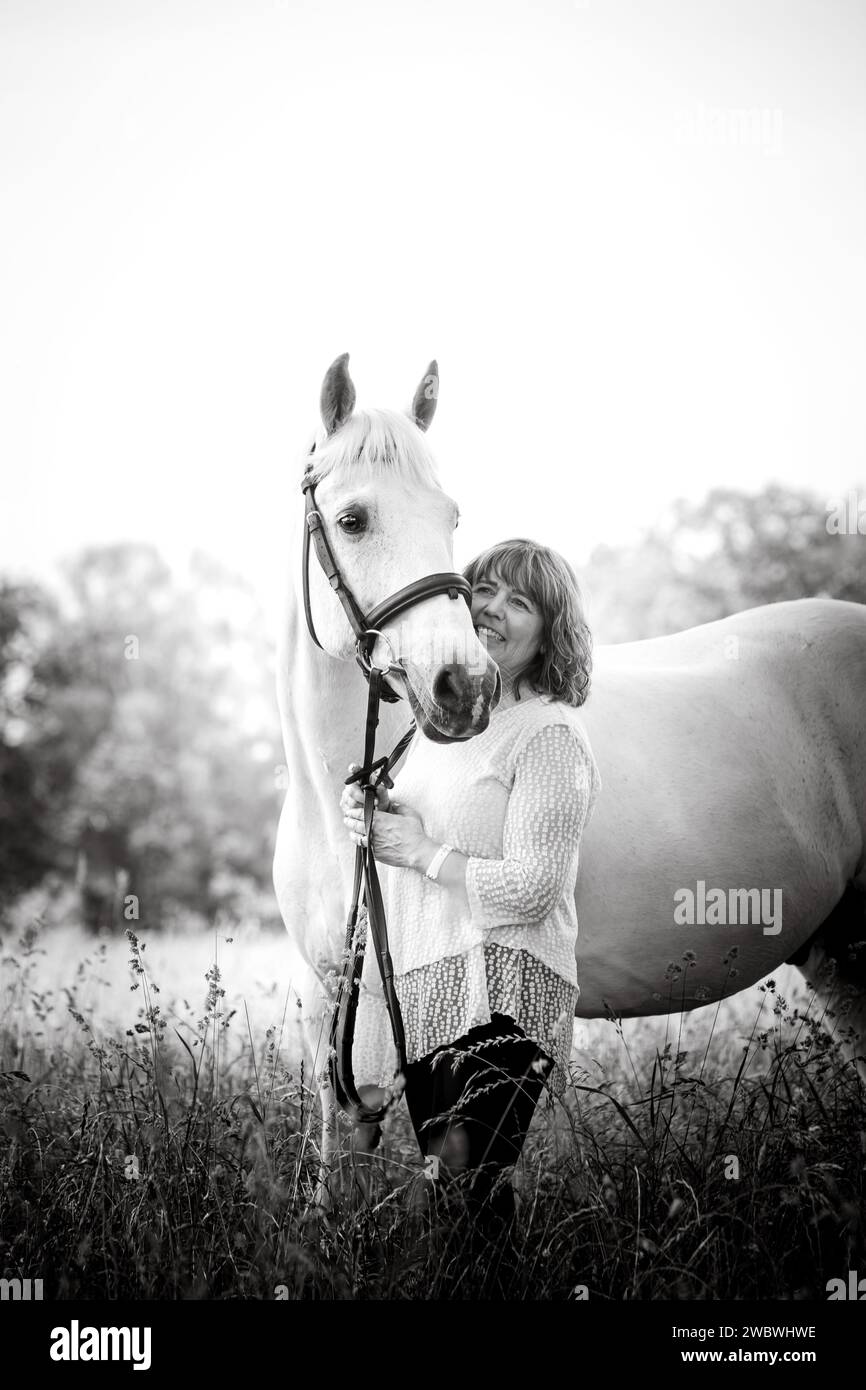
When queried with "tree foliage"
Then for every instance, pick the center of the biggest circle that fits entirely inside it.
(731, 551)
(140, 738)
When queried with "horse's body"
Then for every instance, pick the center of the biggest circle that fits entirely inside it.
(732, 756)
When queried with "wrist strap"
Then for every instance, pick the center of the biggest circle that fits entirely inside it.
(432, 870)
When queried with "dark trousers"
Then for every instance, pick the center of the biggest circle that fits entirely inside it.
(478, 1095)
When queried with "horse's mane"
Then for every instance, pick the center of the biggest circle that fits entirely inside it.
(381, 441)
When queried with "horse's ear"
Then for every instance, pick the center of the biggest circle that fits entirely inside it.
(424, 404)
(338, 394)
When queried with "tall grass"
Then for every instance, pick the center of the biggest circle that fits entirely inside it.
(174, 1153)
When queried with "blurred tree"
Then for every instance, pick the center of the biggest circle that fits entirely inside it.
(28, 782)
(731, 551)
(151, 702)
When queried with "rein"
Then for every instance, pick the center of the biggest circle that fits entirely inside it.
(366, 628)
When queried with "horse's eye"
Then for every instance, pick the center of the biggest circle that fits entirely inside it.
(351, 522)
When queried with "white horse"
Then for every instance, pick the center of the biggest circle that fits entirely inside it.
(733, 756)
(388, 523)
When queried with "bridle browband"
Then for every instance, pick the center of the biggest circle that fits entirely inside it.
(366, 628)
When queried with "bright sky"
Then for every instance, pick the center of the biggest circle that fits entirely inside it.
(633, 235)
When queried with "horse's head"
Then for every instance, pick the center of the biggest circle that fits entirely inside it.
(387, 523)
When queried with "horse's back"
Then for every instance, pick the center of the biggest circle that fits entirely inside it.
(732, 754)
(793, 624)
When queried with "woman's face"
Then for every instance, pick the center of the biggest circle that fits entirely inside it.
(509, 623)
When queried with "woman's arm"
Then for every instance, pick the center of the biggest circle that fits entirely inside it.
(546, 813)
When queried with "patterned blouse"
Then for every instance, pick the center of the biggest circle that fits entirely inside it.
(515, 800)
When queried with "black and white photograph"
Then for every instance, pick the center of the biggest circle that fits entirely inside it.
(433, 670)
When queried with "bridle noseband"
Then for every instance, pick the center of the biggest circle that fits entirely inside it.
(366, 628)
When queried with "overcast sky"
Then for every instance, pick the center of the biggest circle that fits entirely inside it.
(632, 234)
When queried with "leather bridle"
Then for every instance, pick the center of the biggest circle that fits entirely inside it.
(366, 628)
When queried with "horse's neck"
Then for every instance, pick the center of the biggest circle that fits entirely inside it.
(323, 709)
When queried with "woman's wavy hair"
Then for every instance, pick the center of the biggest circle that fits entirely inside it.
(563, 665)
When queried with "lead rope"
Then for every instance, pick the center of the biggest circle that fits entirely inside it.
(348, 990)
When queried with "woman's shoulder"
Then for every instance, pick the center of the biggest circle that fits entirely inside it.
(545, 712)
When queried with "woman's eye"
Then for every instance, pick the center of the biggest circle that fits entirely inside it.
(351, 523)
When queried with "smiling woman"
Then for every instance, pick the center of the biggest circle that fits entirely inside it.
(483, 837)
(518, 628)
(521, 591)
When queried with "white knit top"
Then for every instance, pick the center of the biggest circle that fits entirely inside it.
(515, 800)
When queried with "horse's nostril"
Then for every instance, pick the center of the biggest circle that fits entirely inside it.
(449, 687)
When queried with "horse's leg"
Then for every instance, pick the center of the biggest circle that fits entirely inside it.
(315, 1021)
(834, 962)
(333, 1179)
(365, 1140)
(328, 1183)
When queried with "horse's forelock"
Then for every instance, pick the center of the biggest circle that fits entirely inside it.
(379, 441)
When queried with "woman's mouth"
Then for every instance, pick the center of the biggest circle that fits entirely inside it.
(489, 634)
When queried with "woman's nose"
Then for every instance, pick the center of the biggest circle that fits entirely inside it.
(495, 606)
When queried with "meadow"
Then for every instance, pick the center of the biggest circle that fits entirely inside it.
(159, 1137)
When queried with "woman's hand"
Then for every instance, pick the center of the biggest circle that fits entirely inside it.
(351, 796)
(398, 834)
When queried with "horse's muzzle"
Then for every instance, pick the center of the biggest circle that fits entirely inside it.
(461, 703)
